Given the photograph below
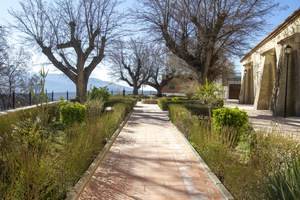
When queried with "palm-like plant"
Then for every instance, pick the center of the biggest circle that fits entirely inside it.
(209, 93)
(286, 183)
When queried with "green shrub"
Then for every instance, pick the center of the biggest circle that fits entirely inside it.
(175, 99)
(231, 124)
(163, 103)
(72, 112)
(211, 95)
(101, 93)
(229, 117)
(113, 100)
(285, 184)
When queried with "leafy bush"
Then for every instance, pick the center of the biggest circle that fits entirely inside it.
(120, 99)
(210, 94)
(231, 124)
(285, 184)
(175, 99)
(72, 112)
(101, 93)
(229, 117)
(196, 106)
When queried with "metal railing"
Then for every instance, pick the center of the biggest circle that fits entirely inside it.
(17, 100)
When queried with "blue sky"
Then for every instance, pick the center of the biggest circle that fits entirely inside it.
(287, 7)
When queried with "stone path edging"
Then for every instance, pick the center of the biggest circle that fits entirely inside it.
(227, 195)
(25, 108)
(75, 192)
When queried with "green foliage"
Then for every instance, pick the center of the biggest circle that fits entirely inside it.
(196, 106)
(229, 117)
(163, 103)
(150, 101)
(24, 170)
(94, 108)
(244, 170)
(285, 184)
(101, 94)
(175, 99)
(232, 124)
(40, 159)
(72, 112)
(120, 99)
(209, 93)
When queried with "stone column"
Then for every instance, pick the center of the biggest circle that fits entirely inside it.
(267, 82)
(243, 88)
(247, 91)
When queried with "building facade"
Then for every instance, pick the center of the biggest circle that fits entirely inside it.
(271, 71)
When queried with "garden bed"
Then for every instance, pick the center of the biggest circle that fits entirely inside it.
(41, 158)
(244, 170)
(197, 107)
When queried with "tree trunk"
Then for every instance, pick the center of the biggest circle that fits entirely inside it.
(135, 90)
(199, 77)
(81, 88)
(159, 92)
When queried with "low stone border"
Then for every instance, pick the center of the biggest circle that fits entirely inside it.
(75, 192)
(208, 171)
(25, 108)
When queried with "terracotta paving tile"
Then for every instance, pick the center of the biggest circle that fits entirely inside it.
(150, 160)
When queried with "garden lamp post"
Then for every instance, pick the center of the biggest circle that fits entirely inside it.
(245, 86)
(287, 51)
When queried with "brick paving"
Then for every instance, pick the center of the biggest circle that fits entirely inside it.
(150, 159)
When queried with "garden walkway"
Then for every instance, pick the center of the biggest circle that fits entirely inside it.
(151, 159)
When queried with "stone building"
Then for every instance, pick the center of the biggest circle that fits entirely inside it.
(271, 71)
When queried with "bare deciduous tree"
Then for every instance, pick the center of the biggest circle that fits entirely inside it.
(222, 69)
(72, 34)
(14, 70)
(3, 48)
(132, 63)
(161, 74)
(13, 76)
(201, 31)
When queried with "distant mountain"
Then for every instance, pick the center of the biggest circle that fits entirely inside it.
(61, 83)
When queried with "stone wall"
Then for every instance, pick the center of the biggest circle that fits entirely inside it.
(267, 64)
